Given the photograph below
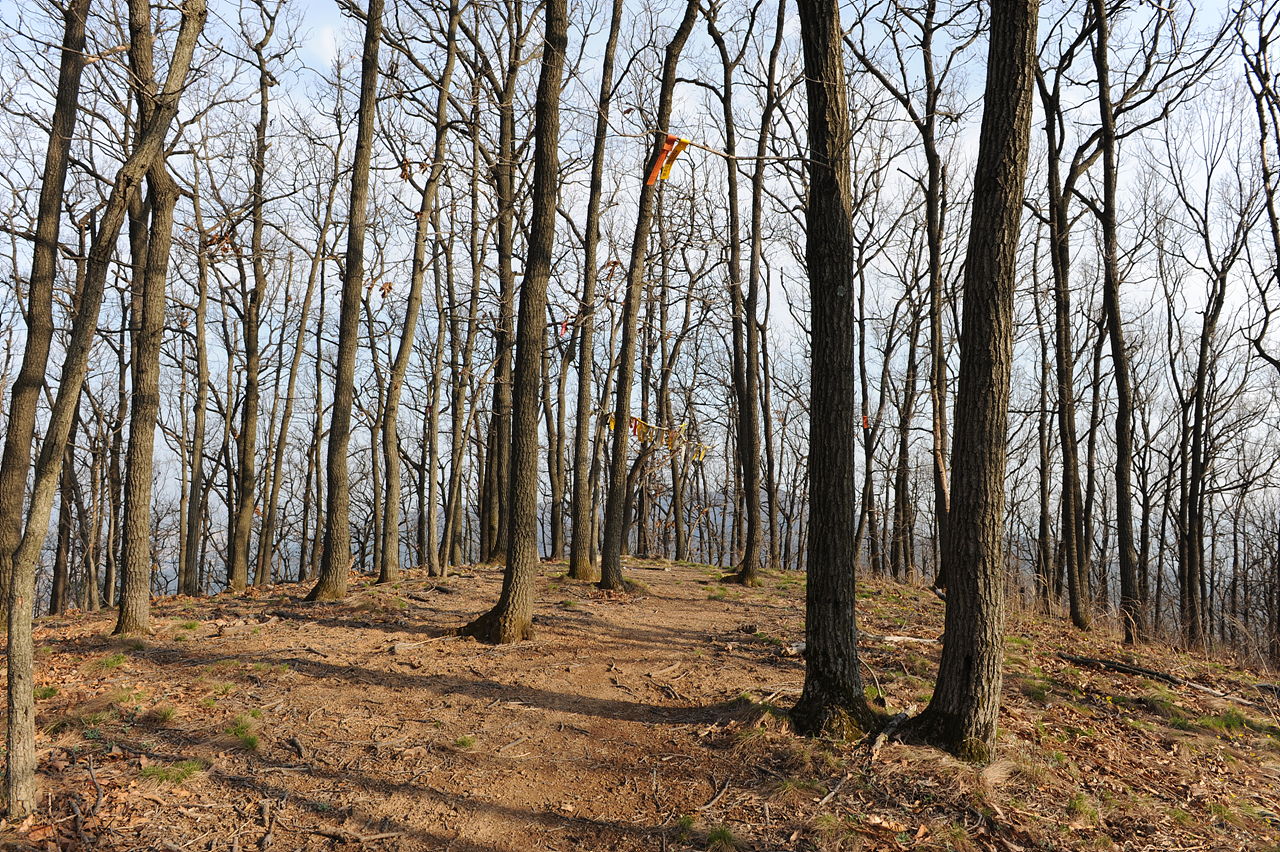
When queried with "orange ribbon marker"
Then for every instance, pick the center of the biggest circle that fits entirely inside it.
(662, 159)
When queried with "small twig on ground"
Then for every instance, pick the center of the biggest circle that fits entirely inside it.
(84, 838)
(511, 745)
(835, 789)
(717, 797)
(887, 733)
(897, 640)
(96, 786)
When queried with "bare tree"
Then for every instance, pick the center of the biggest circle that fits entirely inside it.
(616, 520)
(832, 701)
(20, 774)
(511, 619)
(961, 716)
(336, 558)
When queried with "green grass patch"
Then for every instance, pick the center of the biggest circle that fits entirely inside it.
(113, 661)
(242, 730)
(172, 773)
(465, 742)
(1229, 721)
(721, 839)
(1078, 806)
(43, 692)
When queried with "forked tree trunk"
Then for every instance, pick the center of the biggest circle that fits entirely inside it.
(246, 493)
(746, 369)
(614, 523)
(1131, 612)
(582, 532)
(146, 333)
(148, 330)
(389, 567)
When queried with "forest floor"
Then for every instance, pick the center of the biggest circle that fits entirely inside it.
(648, 721)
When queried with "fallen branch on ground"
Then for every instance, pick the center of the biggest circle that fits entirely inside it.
(1126, 668)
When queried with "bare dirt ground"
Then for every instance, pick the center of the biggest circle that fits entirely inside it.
(650, 721)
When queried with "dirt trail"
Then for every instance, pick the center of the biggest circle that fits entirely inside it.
(647, 721)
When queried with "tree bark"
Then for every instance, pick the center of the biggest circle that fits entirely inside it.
(148, 331)
(20, 785)
(1130, 604)
(511, 619)
(389, 567)
(614, 526)
(962, 715)
(335, 560)
(581, 566)
(746, 334)
(832, 702)
(25, 395)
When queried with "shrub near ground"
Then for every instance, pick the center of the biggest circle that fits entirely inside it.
(651, 720)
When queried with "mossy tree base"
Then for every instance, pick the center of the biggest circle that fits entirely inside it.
(583, 571)
(952, 735)
(824, 714)
(498, 628)
(743, 577)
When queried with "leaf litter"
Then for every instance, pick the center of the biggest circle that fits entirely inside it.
(654, 720)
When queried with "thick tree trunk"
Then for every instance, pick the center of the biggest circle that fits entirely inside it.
(511, 619)
(961, 717)
(335, 560)
(146, 333)
(832, 702)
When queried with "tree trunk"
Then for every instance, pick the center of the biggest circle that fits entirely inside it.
(614, 528)
(21, 424)
(746, 335)
(1131, 613)
(581, 565)
(20, 787)
(511, 619)
(961, 716)
(389, 568)
(147, 330)
(335, 560)
(832, 702)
